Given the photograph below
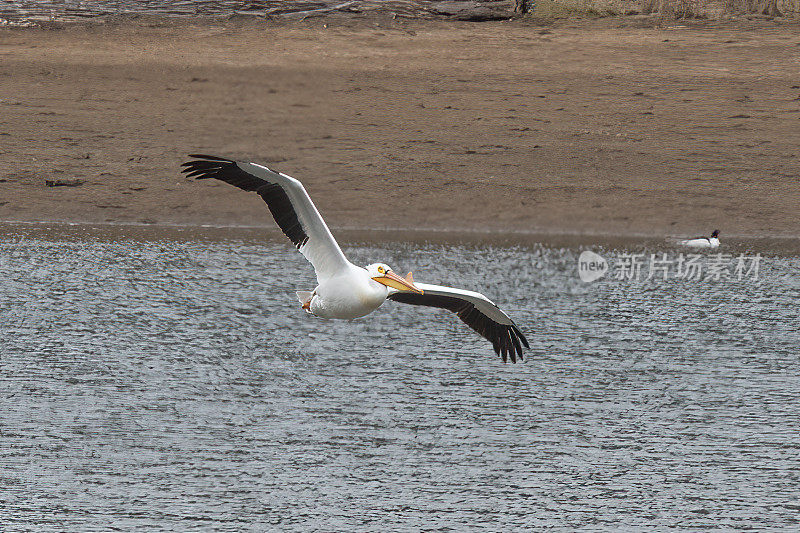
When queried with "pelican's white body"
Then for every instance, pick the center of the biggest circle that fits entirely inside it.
(702, 242)
(351, 293)
(345, 290)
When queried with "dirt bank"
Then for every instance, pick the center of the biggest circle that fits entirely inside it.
(586, 127)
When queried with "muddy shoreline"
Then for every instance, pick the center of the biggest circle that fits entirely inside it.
(110, 232)
(576, 128)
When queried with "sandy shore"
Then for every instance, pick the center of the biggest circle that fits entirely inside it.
(588, 127)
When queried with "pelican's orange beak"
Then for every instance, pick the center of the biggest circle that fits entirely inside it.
(390, 279)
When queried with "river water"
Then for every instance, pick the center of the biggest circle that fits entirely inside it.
(175, 385)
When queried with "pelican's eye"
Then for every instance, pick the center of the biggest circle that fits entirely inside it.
(381, 270)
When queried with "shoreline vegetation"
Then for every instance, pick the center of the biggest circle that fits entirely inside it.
(661, 9)
(622, 126)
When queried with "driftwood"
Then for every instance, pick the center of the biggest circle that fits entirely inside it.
(470, 10)
(75, 182)
(459, 9)
(311, 12)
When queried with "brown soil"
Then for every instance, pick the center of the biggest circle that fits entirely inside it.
(611, 127)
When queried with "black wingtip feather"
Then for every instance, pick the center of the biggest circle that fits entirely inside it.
(521, 336)
(515, 340)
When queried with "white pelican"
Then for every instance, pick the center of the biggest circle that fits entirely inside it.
(346, 290)
(703, 242)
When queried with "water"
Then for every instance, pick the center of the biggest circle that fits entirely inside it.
(176, 385)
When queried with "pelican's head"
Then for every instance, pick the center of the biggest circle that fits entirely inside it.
(382, 273)
(715, 235)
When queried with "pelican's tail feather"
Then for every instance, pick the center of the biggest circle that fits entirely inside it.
(304, 296)
(305, 299)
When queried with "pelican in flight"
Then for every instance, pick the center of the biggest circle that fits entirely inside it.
(703, 242)
(345, 290)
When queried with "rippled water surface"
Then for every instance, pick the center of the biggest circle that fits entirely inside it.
(177, 385)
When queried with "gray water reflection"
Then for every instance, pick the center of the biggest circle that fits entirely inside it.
(178, 386)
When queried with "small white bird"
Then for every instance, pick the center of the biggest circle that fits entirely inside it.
(703, 242)
(345, 290)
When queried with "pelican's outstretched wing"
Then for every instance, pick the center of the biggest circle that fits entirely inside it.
(288, 202)
(476, 310)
